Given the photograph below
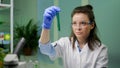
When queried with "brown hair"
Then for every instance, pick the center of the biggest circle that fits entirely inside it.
(92, 38)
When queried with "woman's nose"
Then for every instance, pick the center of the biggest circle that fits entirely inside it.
(78, 26)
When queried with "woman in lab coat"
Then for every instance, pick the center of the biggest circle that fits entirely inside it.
(83, 49)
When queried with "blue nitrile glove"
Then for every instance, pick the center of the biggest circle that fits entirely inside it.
(48, 16)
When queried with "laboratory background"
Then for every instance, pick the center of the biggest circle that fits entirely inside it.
(16, 15)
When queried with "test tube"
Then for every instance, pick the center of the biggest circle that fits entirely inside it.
(58, 21)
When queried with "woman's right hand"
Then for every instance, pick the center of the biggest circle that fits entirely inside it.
(49, 15)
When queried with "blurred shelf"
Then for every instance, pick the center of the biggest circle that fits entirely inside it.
(4, 6)
(8, 4)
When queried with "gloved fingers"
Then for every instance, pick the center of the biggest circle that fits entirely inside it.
(48, 15)
(51, 11)
(54, 10)
(57, 9)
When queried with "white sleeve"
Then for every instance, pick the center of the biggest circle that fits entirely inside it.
(59, 46)
(47, 49)
(53, 50)
(102, 60)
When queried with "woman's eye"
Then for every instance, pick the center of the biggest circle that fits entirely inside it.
(84, 23)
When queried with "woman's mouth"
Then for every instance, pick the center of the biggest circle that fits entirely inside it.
(78, 33)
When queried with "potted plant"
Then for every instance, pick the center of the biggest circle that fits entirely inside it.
(2, 55)
(29, 32)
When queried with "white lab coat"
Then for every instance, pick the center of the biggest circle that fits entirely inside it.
(98, 58)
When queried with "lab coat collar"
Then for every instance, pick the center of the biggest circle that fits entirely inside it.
(85, 48)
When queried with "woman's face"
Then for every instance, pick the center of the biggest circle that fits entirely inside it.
(80, 26)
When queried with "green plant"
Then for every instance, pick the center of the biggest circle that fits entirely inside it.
(29, 32)
(1, 22)
(2, 55)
